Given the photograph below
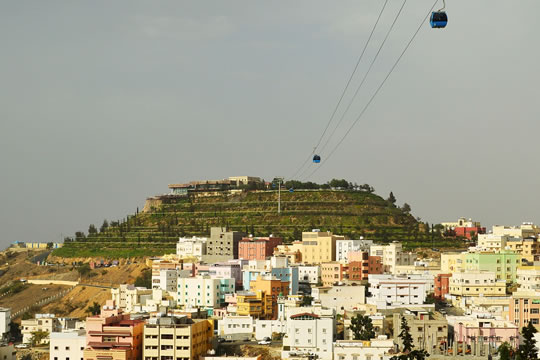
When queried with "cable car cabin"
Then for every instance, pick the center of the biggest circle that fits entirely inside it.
(316, 159)
(438, 20)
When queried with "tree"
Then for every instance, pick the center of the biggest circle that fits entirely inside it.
(406, 208)
(145, 279)
(104, 226)
(84, 269)
(527, 350)
(38, 337)
(92, 230)
(49, 245)
(79, 236)
(391, 198)
(306, 300)
(362, 327)
(504, 351)
(94, 309)
(407, 352)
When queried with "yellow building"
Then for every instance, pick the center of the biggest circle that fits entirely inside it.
(293, 252)
(451, 262)
(476, 283)
(319, 247)
(257, 304)
(177, 338)
(528, 248)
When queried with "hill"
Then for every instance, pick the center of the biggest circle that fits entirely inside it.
(155, 230)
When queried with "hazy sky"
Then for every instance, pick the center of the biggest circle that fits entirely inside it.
(103, 103)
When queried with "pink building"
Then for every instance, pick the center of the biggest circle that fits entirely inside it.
(467, 329)
(112, 335)
(257, 248)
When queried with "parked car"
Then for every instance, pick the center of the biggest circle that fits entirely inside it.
(21, 346)
(265, 341)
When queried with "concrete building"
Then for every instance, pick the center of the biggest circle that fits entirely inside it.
(374, 349)
(467, 288)
(67, 345)
(524, 308)
(442, 285)
(377, 319)
(270, 285)
(490, 242)
(203, 291)
(257, 248)
(525, 230)
(461, 222)
(341, 298)
(165, 279)
(127, 296)
(486, 328)
(310, 331)
(319, 247)
(309, 274)
(343, 247)
(41, 322)
(427, 332)
(8, 352)
(222, 245)
(229, 270)
(392, 255)
(292, 251)
(255, 304)
(277, 267)
(397, 290)
(504, 264)
(528, 248)
(528, 278)
(194, 247)
(236, 327)
(177, 338)
(113, 335)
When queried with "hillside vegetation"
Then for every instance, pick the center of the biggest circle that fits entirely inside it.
(154, 232)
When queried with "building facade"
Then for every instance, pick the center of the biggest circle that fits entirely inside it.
(258, 248)
(319, 247)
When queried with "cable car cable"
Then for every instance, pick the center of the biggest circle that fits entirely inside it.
(376, 91)
(365, 76)
(344, 90)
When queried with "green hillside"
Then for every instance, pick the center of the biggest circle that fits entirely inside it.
(155, 231)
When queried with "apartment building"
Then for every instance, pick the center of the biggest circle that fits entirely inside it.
(478, 288)
(236, 327)
(310, 330)
(426, 331)
(392, 255)
(270, 285)
(222, 245)
(177, 338)
(504, 264)
(528, 278)
(309, 274)
(277, 267)
(527, 248)
(341, 298)
(491, 242)
(389, 290)
(319, 247)
(203, 291)
(194, 247)
(5, 321)
(256, 304)
(524, 308)
(67, 345)
(41, 322)
(231, 270)
(292, 251)
(258, 248)
(525, 230)
(127, 296)
(344, 247)
(442, 285)
(113, 335)
(165, 279)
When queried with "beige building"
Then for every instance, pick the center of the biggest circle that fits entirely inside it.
(319, 247)
(527, 229)
(425, 330)
(528, 248)
(491, 242)
(476, 289)
(178, 338)
(462, 222)
(392, 255)
(452, 262)
(42, 322)
(528, 279)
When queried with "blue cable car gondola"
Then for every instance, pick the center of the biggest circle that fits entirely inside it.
(316, 159)
(438, 19)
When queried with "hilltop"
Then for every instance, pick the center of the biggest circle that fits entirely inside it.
(155, 230)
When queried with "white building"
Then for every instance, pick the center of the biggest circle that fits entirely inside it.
(42, 322)
(127, 296)
(309, 274)
(166, 279)
(491, 242)
(392, 255)
(191, 247)
(68, 345)
(375, 349)
(343, 247)
(236, 327)
(203, 291)
(528, 278)
(265, 328)
(5, 320)
(341, 298)
(310, 330)
(396, 290)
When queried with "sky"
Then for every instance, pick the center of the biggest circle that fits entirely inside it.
(103, 104)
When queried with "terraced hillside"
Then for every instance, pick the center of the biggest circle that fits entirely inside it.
(155, 231)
